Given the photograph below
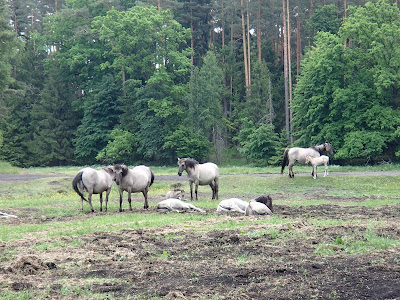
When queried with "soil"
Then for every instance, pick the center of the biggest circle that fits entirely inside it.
(256, 261)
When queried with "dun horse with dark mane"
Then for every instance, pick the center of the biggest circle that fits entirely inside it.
(296, 154)
(200, 174)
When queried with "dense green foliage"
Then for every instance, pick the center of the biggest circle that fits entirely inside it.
(91, 81)
(348, 95)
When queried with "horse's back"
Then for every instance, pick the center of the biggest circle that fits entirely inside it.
(99, 181)
(207, 173)
(139, 178)
(300, 154)
(232, 204)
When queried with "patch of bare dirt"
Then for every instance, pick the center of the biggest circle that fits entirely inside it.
(255, 261)
(175, 262)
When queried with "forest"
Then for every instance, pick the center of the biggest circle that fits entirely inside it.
(103, 81)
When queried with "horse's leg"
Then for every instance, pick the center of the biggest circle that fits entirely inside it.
(130, 199)
(81, 203)
(107, 193)
(213, 190)
(216, 187)
(326, 170)
(196, 188)
(291, 174)
(146, 204)
(101, 201)
(191, 190)
(90, 200)
(315, 172)
(120, 199)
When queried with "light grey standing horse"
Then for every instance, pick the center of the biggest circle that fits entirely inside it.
(317, 161)
(296, 154)
(200, 174)
(94, 182)
(135, 180)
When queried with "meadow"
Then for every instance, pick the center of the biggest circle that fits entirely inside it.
(336, 237)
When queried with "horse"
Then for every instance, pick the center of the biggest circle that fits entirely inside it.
(260, 206)
(200, 174)
(177, 205)
(176, 194)
(317, 161)
(232, 204)
(138, 179)
(291, 155)
(94, 182)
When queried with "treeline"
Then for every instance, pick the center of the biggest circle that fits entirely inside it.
(88, 81)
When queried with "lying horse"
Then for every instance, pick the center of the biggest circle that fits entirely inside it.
(317, 161)
(177, 205)
(232, 204)
(200, 174)
(135, 180)
(290, 156)
(176, 194)
(94, 182)
(260, 206)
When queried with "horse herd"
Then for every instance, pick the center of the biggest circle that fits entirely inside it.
(140, 178)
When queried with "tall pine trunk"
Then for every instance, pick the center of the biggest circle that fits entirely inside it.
(246, 75)
(285, 70)
(248, 45)
(298, 45)
(289, 63)
(259, 30)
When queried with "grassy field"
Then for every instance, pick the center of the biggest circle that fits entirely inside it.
(342, 218)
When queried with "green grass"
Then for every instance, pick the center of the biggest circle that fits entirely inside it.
(53, 201)
(7, 168)
(370, 241)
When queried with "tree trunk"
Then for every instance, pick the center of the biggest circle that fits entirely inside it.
(285, 70)
(289, 63)
(298, 45)
(191, 30)
(224, 100)
(248, 45)
(246, 78)
(259, 30)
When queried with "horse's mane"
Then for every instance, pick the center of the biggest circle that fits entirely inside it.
(320, 148)
(191, 163)
(267, 200)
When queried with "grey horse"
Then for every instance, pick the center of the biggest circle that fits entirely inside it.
(94, 182)
(138, 179)
(296, 154)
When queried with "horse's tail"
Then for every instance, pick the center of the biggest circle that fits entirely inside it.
(75, 181)
(285, 160)
(152, 178)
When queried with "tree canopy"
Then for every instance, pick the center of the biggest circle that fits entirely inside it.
(91, 81)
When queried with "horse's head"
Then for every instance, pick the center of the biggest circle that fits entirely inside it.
(181, 165)
(328, 148)
(267, 200)
(119, 172)
(185, 164)
(307, 159)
